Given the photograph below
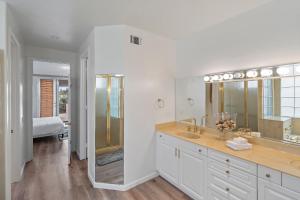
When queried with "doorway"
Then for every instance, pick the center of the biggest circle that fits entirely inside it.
(51, 113)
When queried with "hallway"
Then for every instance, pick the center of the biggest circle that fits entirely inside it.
(48, 177)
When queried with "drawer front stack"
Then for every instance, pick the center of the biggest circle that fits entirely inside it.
(231, 177)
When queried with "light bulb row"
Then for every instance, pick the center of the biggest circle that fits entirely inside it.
(283, 70)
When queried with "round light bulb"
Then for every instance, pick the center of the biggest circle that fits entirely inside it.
(266, 72)
(228, 76)
(283, 71)
(239, 75)
(297, 68)
(206, 78)
(251, 74)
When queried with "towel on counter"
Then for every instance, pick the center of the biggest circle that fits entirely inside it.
(238, 144)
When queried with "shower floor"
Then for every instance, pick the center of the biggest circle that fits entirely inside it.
(110, 173)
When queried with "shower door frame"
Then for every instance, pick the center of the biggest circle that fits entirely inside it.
(108, 78)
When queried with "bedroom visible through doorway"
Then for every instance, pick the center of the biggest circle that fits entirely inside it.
(51, 114)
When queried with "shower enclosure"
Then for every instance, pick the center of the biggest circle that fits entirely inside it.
(109, 128)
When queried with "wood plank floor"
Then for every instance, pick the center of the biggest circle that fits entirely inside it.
(48, 177)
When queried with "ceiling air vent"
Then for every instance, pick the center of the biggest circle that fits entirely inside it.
(135, 40)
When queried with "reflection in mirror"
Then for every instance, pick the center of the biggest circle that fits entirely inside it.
(281, 109)
(109, 132)
(190, 99)
(270, 107)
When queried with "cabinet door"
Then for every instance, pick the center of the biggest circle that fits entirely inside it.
(167, 161)
(192, 174)
(272, 191)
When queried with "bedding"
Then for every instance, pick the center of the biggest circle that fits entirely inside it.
(47, 126)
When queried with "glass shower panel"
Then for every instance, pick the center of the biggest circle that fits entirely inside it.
(101, 113)
(116, 119)
(109, 165)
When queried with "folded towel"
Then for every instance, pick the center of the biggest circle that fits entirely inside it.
(240, 140)
(236, 146)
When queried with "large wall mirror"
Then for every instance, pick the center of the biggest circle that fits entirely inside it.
(109, 129)
(270, 107)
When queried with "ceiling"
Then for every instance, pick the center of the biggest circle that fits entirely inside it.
(64, 24)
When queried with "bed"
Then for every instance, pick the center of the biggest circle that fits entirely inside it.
(47, 126)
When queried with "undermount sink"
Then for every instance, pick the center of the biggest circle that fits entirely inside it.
(188, 135)
(295, 163)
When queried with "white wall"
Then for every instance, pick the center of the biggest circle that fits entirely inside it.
(267, 35)
(53, 55)
(2, 24)
(190, 87)
(149, 75)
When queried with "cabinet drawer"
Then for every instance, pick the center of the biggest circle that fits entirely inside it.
(229, 189)
(233, 161)
(269, 174)
(291, 182)
(190, 147)
(212, 195)
(166, 139)
(233, 175)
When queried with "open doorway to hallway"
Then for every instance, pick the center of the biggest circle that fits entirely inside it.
(51, 114)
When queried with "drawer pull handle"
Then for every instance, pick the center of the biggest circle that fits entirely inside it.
(268, 175)
(227, 160)
(227, 189)
(199, 150)
(175, 152)
(160, 135)
(227, 172)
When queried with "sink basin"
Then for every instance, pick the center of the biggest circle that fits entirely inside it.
(295, 163)
(188, 135)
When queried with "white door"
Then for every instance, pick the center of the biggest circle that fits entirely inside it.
(14, 112)
(167, 160)
(271, 191)
(70, 122)
(192, 174)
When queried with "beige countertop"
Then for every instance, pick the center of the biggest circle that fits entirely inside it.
(277, 159)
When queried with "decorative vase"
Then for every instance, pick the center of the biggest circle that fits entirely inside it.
(225, 123)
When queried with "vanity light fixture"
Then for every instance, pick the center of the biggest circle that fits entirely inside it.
(217, 78)
(238, 75)
(228, 76)
(267, 72)
(297, 69)
(206, 78)
(251, 74)
(283, 71)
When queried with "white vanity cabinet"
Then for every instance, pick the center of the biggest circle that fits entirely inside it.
(207, 174)
(183, 164)
(167, 158)
(275, 185)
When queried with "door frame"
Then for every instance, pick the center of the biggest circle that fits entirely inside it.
(30, 75)
(83, 107)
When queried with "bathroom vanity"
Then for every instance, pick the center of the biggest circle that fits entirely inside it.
(205, 168)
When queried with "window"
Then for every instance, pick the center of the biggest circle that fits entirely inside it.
(290, 97)
(115, 98)
(268, 97)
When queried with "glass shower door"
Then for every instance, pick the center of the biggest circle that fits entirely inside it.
(109, 129)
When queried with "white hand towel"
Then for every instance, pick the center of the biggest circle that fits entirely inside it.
(240, 140)
(236, 146)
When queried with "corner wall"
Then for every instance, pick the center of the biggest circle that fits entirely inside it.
(149, 75)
